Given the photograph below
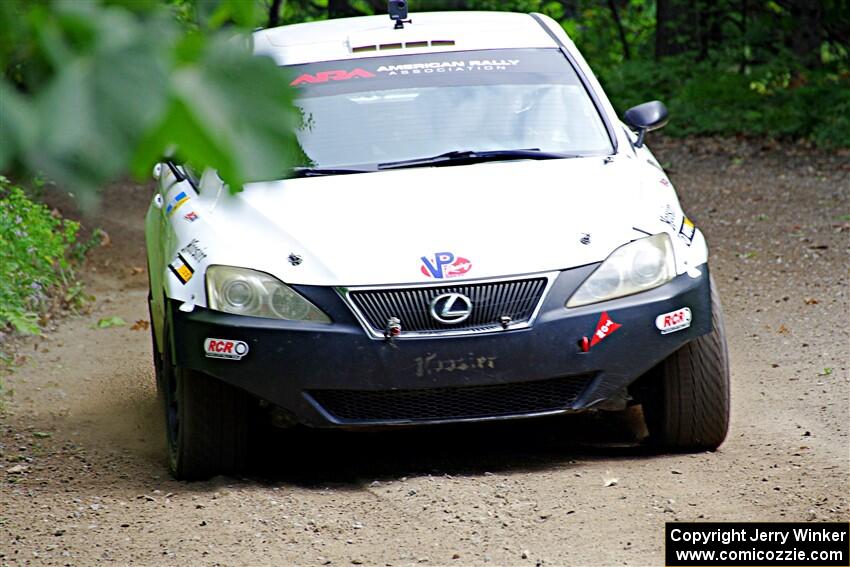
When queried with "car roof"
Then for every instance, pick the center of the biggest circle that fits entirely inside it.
(371, 36)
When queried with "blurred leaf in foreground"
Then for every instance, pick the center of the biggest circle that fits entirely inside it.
(92, 90)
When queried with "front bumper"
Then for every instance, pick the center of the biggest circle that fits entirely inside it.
(337, 375)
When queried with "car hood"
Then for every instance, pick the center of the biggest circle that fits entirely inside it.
(431, 224)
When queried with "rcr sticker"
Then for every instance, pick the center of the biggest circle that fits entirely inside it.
(673, 321)
(224, 348)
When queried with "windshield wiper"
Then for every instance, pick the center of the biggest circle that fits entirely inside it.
(470, 156)
(320, 171)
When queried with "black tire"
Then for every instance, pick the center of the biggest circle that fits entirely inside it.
(686, 398)
(207, 422)
(157, 357)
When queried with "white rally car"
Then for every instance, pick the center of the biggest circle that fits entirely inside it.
(475, 235)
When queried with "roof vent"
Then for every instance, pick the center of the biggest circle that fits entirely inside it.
(406, 45)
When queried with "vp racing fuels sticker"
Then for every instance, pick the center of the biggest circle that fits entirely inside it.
(224, 348)
(673, 321)
(181, 269)
(444, 265)
(604, 328)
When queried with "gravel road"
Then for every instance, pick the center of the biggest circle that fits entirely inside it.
(83, 480)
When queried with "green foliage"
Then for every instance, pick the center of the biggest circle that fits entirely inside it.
(33, 258)
(108, 322)
(93, 89)
(706, 99)
(228, 110)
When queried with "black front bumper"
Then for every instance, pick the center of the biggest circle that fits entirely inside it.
(336, 375)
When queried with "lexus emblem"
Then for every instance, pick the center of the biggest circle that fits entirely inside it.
(451, 308)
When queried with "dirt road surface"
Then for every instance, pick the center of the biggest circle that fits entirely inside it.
(83, 478)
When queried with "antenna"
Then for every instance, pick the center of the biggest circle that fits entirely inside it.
(398, 13)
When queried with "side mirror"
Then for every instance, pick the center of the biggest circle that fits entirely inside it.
(645, 118)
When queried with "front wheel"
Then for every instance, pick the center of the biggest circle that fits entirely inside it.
(207, 426)
(686, 397)
(206, 420)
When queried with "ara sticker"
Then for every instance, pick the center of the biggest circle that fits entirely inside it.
(444, 265)
(224, 348)
(191, 216)
(604, 328)
(175, 203)
(337, 75)
(181, 269)
(673, 321)
(687, 230)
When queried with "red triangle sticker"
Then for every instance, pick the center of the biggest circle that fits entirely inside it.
(604, 327)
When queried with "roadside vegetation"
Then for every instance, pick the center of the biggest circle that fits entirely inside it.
(38, 254)
(39, 251)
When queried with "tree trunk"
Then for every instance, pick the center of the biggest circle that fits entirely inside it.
(274, 13)
(745, 9)
(710, 29)
(616, 15)
(677, 27)
(340, 9)
(807, 37)
(666, 28)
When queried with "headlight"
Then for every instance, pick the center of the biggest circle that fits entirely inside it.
(634, 267)
(246, 292)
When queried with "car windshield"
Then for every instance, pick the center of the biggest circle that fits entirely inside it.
(364, 112)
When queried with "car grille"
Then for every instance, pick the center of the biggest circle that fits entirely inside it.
(517, 299)
(442, 404)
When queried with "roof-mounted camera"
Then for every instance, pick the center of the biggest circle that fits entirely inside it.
(398, 13)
